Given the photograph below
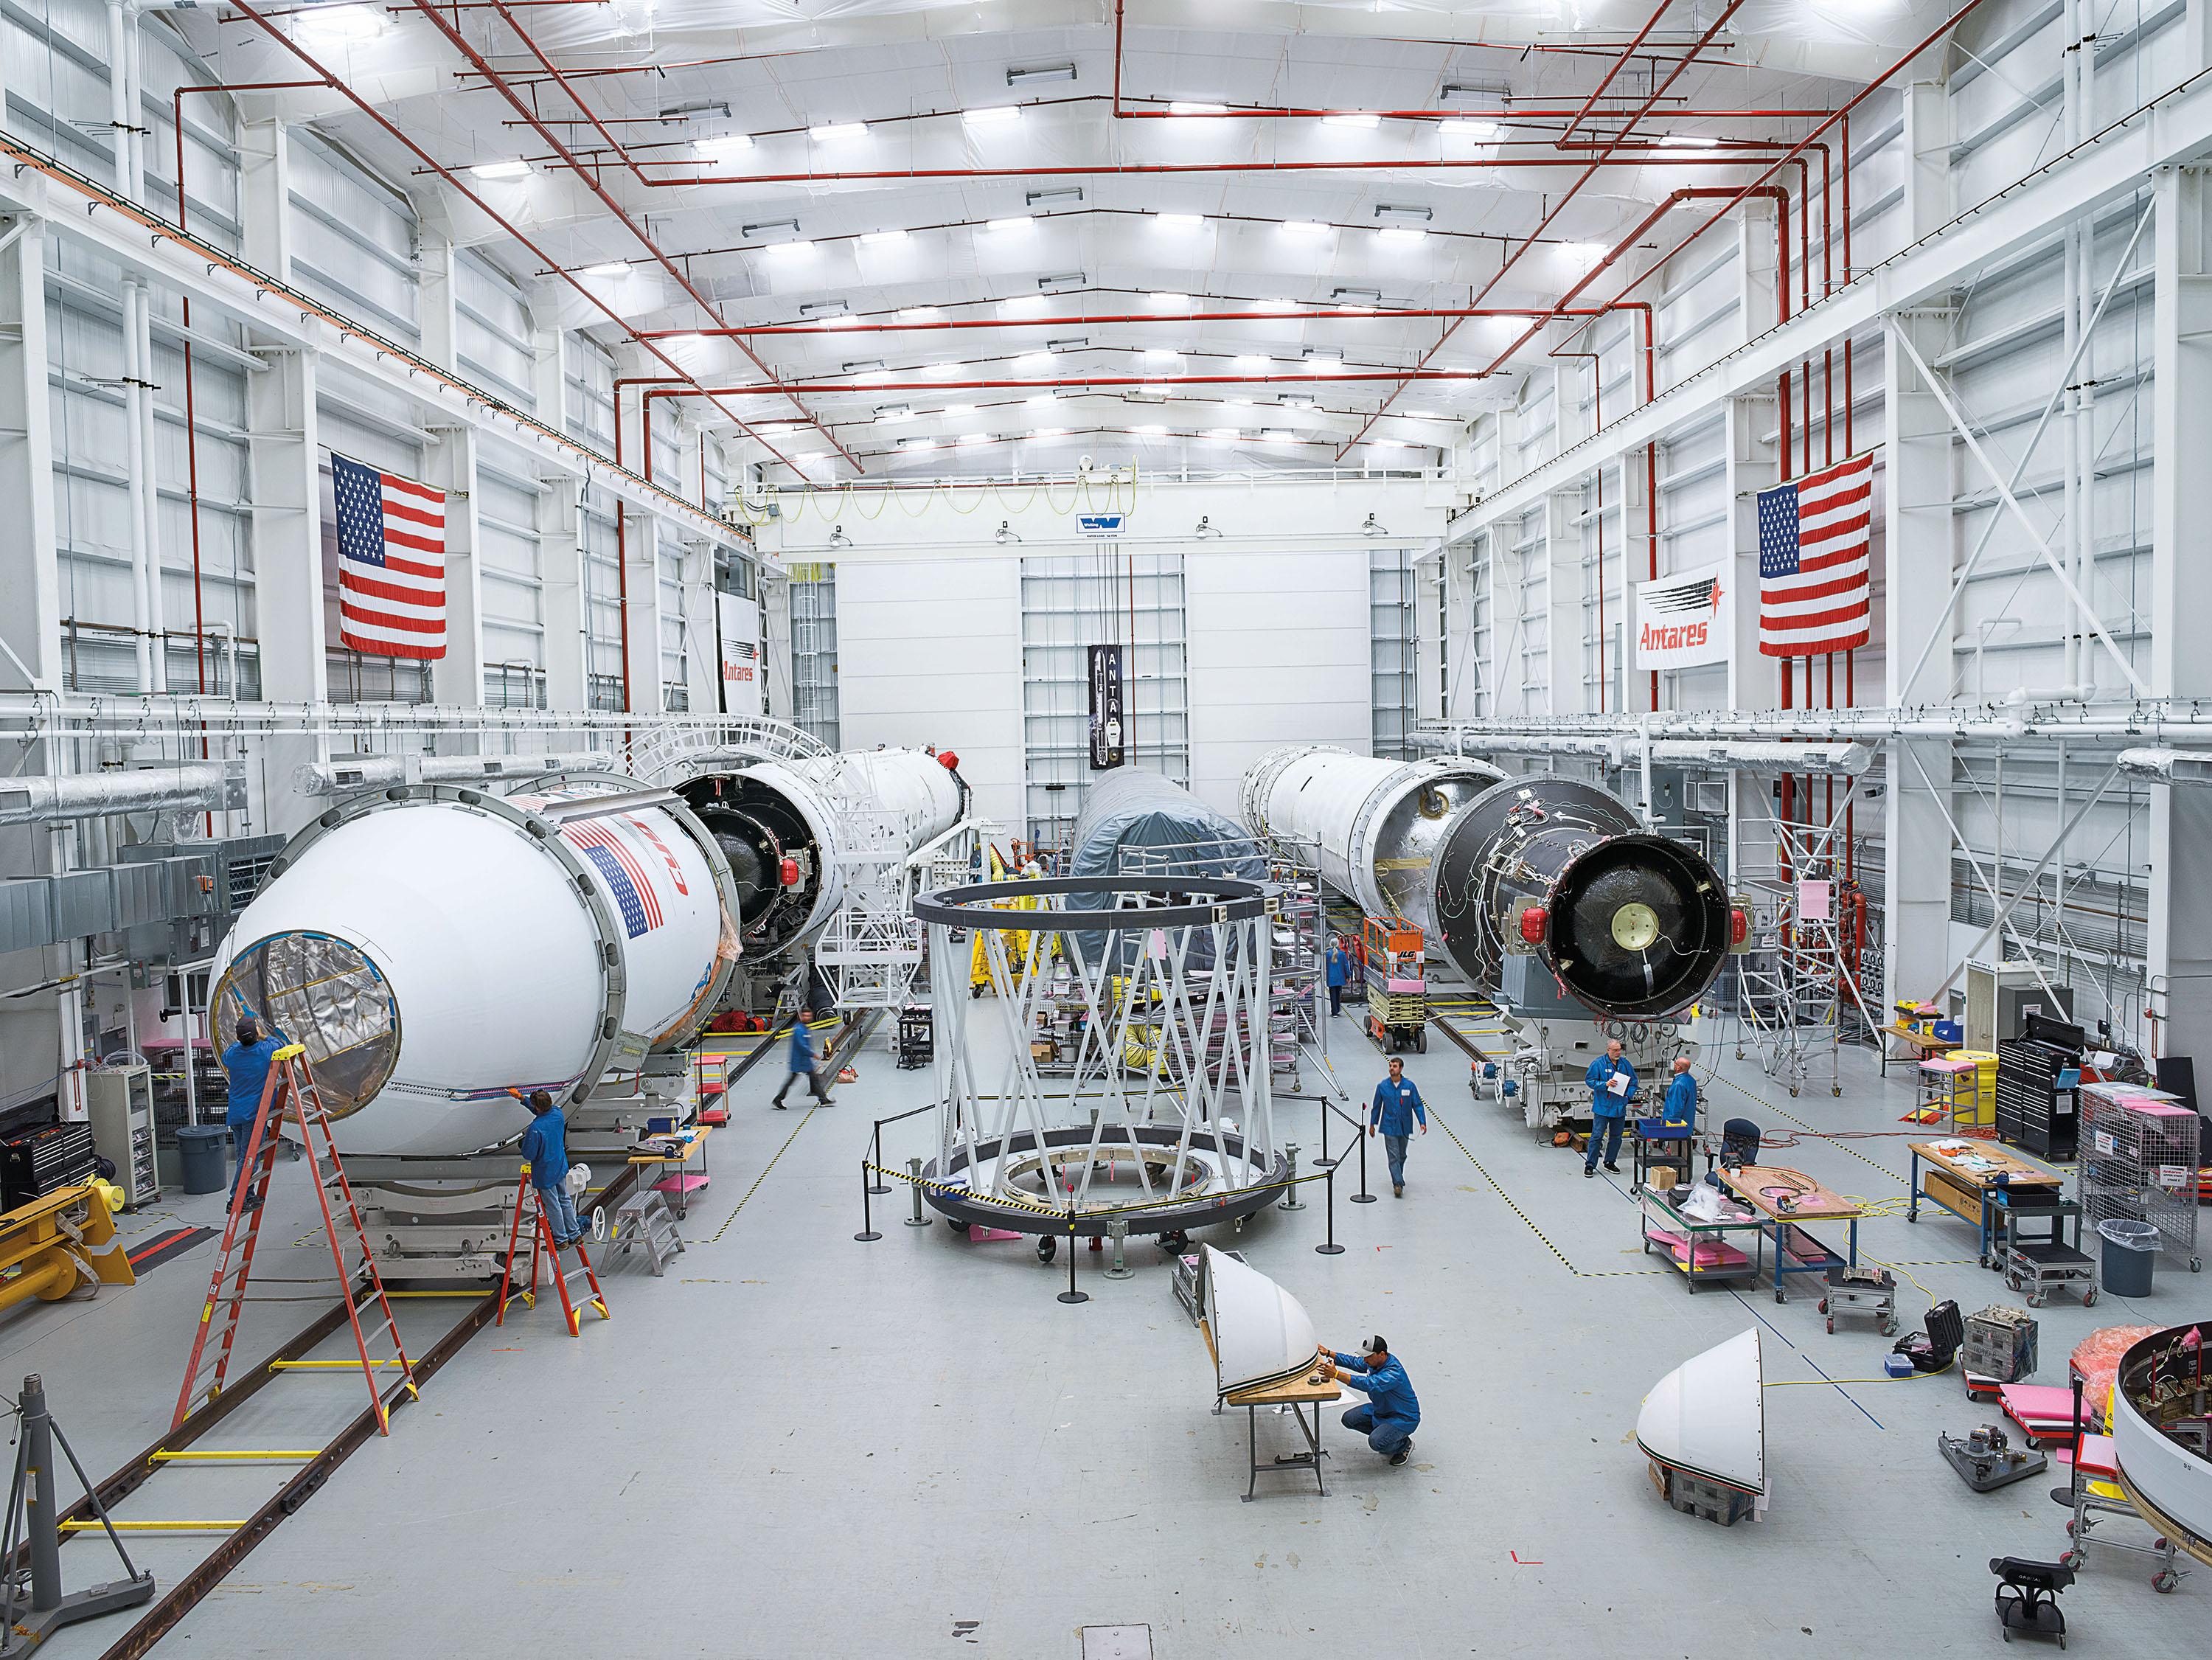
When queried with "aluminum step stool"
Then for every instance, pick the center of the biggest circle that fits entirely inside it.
(645, 1221)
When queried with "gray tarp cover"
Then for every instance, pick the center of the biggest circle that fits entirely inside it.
(1128, 809)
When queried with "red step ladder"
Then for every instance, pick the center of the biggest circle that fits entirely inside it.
(542, 1245)
(290, 1093)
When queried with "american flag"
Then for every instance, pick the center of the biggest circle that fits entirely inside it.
(625, 878)
(1815, 586)
(392, 562)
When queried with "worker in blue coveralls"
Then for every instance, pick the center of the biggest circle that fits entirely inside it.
(1679, 1110)
(545, 1159)
(1397, 1106)
(1612, 1081)
(1391, 1414)
(246, 1062)
(802, 1063)
(1340, 970)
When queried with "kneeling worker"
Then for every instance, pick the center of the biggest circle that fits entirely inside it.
(1391, 1414)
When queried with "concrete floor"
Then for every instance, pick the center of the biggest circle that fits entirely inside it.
(798, 1444)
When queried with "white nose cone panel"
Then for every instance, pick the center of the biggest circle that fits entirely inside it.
(1261, 1333)
(1708, 1416)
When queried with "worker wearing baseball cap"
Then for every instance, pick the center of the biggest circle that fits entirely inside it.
(1392, 1413)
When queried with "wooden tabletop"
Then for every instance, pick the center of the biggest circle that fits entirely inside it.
(1299, 1390)
(1994, 1161)
(1811, 1202)
(1922, 1039)
(693, 1140)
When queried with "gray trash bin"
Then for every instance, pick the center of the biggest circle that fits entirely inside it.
(200, 1150)
(2130, 1250)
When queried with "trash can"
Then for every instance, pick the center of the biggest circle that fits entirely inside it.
(2130, 1250)
(200, 1149)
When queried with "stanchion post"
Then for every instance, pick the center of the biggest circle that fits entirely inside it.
(1324, 1162)
(1330, 1248)
(867, 1233)
(916, 1221)
(1072, 1295)
(1291, 1200)
(881, 1187)
(1363, 1197)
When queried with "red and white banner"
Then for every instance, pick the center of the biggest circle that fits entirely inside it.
(1684, 621)
(392, 562)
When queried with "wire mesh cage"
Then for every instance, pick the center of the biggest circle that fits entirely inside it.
(2138, 1156)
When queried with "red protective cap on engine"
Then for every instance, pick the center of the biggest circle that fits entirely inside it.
(1739, 927)
(1534, 922)
(948, 760)
(790, 873)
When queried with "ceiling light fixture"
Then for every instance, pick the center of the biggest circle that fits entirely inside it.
(1480, 131)
(1152, 389)
(1253, 365)
(1181, 107)
(1048, 432)
(1171, 299)
(1150, 431)
(1401, 233)
(1322, 358)
(838, 538)
(1006, 535)
(1365, 123)
(974, 437)
(877, 239)
(1295, 400)
(919, 313)
(1371, 528)
(611, 268)
(1583, 253)
(1303, 227)
(994, 115)
(955, 411)
(1044, 401)
(335, 24)
(1066, 279)
(893, 412)
(496, 170)
(1018, 221)
(1072, 342)
(830, 132)
(771, 227)
(1034, 360)
(728, 143)
(1026, 306)
(1278, 435)
(1276, 305)
(790, 248)
(1067, 198)
(821, 308)
(867, 366)
(1362, 298)
(697, 107)
(1178, 221)
(1039, 74)
(810, 458)
(1163, 354)
(1219, 434)
(1403, 213)
(917, 444)
(1468, 92)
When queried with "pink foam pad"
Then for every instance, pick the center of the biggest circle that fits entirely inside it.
(2039, 1407)
(1711, 1253)
(977, 1231)
(679, 1183)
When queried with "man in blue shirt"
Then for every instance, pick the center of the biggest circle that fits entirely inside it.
(246, 1062)
(545, 1161)
(1397, 1105)
(1340, 970)
(1391, 1414)
(1680, 1111)
(802, 1063)
(1608, 1105)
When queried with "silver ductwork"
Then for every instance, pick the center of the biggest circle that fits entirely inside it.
(191, 786)
(358, 772)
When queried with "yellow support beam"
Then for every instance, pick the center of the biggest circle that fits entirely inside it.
(152, 1527)
(274, 1454)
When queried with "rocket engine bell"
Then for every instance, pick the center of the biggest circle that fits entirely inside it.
(1632, 925)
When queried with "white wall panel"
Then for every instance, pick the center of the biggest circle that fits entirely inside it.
(1279, 654)
(930, 652)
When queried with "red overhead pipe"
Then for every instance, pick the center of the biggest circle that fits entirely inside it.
(1619, 64)
(1589, 172)
(448, 174)
(590, 179)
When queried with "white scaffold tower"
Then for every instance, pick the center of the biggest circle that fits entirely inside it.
(1796, 991)
(1152, 1006)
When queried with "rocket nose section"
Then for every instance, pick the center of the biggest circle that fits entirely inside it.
(1639, 927)
(324, 993)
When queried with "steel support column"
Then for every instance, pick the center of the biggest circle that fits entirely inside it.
(2179, 951)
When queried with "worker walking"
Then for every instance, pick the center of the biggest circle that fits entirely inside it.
(247, 1063)
(1340, 970)
(545, 1161)
(1612, 1081)
(1397, 1106)
(1391, 1414)
(803, 1063)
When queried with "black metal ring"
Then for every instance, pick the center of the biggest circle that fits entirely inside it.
(1226, 899)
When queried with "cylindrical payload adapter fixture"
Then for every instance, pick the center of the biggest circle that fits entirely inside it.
(435, 947)
(1632, 925)
(785, 828)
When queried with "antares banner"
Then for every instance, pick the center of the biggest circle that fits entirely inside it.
(1683, 621)
(1105, 708)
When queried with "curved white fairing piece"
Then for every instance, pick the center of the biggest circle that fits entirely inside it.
(2173, 1480)
(1708, 1416)
(479, 968)
(1262, 1334)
